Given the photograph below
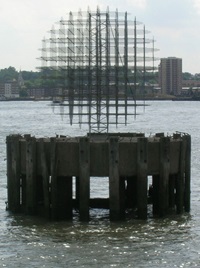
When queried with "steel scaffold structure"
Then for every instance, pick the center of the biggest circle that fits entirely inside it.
(98, 58)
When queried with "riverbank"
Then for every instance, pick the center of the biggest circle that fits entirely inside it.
(143, 98)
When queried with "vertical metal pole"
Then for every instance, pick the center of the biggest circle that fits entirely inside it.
(71, 65)
(107, 69)
(98, 66)
(135, 62)
(126, 64)
(153, 51)
(116, 64)
(53, 50)
(61, 55)
(89, 67)
(79, 65)
(144, 65)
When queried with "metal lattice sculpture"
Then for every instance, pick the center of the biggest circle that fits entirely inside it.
(97, 59)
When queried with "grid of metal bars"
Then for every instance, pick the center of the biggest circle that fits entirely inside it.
(98, 59)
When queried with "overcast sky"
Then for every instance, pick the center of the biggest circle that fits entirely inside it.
(175, 25)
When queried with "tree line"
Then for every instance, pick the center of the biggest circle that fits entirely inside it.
(37, 80)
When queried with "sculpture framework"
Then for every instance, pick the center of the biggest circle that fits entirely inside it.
(99, 61)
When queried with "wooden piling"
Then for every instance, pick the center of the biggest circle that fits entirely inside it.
(61, 188)
(187, 189)
(115, 194)
(23, 193)
(164, 175)
(181, 178)
(122, 194)
(45, 178)
(13, 173)
(142, 177)
(172, 180)
(54, 177)
(84, 178)
(31, 190)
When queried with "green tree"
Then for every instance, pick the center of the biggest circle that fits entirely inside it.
(187, 76)
(8, 74)
(23, 92)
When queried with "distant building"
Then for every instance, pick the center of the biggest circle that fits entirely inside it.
(2, 90)
(170, 75)
(11, 89)
(43, 92)
(20, 80)
(191, 83)
(36, 92)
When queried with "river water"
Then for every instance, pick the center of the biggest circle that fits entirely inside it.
(31, 242)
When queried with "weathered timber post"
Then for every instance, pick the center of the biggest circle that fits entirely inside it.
(115, 193)
(13, 172)
(172, 180)
(84, 178)
(164, 175)
(180, 181)
(31, 180)
(187, 173)
(142, 150)
(45, 178)
(61, 187)
(54, 168)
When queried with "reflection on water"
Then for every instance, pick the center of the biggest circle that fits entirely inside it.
(157, 242)
(33, 242)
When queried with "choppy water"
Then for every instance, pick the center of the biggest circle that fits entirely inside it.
(32, 242)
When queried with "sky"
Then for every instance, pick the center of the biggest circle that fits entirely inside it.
(174, 24)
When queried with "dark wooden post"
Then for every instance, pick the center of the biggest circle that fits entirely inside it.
(164, 175)
(122, 194)
(187, 173)
(13, 172)
(84, 178)
(45, 178)
(23, 193)
(181, 178)
(31, 197)
(54, 189)
(61, 188)
(115, 184)
(172, 180)
(142, 177)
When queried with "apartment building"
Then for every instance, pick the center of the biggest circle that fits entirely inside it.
(170, 75)
(9, 89)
